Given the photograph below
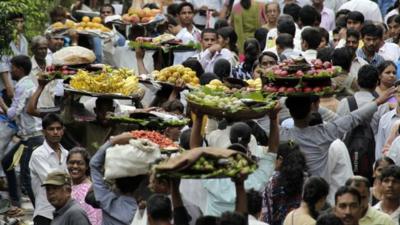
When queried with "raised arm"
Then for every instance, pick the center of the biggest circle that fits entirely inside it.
(140, 63)
(273, 142)
(181, 216)
(33, 100)
(196, 139)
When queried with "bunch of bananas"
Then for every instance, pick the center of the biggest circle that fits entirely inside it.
(120, 81)
(176, 75)
(255, 84)
(217, 85)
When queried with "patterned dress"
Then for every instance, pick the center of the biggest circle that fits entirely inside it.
(79, 193)
(276, 204)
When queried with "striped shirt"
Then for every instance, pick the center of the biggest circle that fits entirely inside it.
(375, 61)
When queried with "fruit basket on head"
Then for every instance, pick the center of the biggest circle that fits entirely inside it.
(177, 75)
(233, 105)
(297, 77)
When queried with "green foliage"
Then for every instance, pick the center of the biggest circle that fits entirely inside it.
(36, 17)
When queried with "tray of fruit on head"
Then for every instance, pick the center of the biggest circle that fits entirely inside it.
(165, 144)
(216, 100)
(145, 16)
(153, 120)
(205, 163)
(176, 75)
(87, 26)
(112, 83)
(166, 42)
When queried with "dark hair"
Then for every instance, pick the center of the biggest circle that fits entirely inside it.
(172, 20)
(57, 11)
(286, 26)
(220, 23)
(285, 40)
(308, 15)
(368, 77)
(329, 219)
(184, 4)
(195, 65)
(315, 119)
(184, 139)
(240, 133)
(342, 57)
(85, 155)
(229, 32)
(209, 30)
(312, 36)
(336, 30)
(394, 18)
(159, 207)
(267, 53)
(299, 106)
(383, 159)
(109, 6)
(232, 218)
(245, 4)
(353, 33)
(173, 9)
(222, 68)
(254, 202)
(16, 15)
(381, 67)
(173, 105)
(341, 22)
(356, 180)
(151, 6)
(22, 62)
(324, 33)
(104, 101)
(315, 189)
(355, 16)
(347, 190)
(325, 54)
(293, 10)
(391, 171)
(342, 12)
(249, 43)
(207, 77)
(371, 30)
(261, 35)
(128, 185)
(51, 118)
(238, 147)
(207, 220)
(293, 168)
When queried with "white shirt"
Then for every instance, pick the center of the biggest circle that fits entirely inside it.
(208, 60)
(394, 215)
(394, 151)
(385, 126)
(339, 168)
(368, 8)
(357, 63)
(309, 55)
(186, 38)
(334, 4)
(198, 19)
(44, 160)
(390, 51)
(193, 191)
(391, 13)
(253, 221)
(297, 38)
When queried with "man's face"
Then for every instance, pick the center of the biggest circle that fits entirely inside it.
(54, 133)
(105, 11)
(352, 42)
(40, 51)
(55, 43)
(58, 196)
(394, 30)
(370, 43)
(208, 39)
(364, 192)
(336, 39)
(173, 133)
(317, 2)
(172, 29)
(101, 113)
(16, 73)
(352, 24)
(19, 23)
(391, 188)
(347, 208)
(186, 16)
(272, 12)
(267, 62)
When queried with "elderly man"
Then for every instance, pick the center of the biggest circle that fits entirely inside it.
(39, 47)
(58, 191)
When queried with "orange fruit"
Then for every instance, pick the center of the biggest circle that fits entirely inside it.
(96, 19)
(85, 19)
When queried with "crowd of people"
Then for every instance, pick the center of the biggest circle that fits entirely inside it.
(330, 159)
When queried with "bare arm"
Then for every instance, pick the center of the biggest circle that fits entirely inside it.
(33, 100)
(7, 84)
(195, 137)
(241, 197)
(139, 58)
(273, 143)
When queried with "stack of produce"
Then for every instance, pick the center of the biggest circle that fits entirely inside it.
(240, 104)
(204, 163)
(217, 85)
(86, 24)
(137, 15)
(165, 42)
(254, 84)
(162, 141)
(109, 81)
(152, 120)
(176, 75)
(296, 77)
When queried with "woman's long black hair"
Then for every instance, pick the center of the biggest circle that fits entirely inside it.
(315, 189)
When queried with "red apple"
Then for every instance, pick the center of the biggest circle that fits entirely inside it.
(290, 90)
(317, 89)
(283, 73)
(318, 64)
(327, 65)
(65, 72)
(282, 90)
(299, 73)
(307, 90)
(271, 89)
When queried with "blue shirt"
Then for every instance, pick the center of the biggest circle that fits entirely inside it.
(117, 209)
(376, 60)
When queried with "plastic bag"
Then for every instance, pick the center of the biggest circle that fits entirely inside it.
(140, 218)
(130, 160)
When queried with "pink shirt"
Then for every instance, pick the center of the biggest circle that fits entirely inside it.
(79, 193)
(327, 19)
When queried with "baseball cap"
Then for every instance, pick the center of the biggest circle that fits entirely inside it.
(58, 178)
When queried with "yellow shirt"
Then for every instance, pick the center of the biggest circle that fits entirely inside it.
(374, 217)
(297, 218)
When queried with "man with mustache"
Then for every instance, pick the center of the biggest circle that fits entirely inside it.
(390, 203)
(348, 205)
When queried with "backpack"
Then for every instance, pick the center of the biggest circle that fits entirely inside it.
(360, 143)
